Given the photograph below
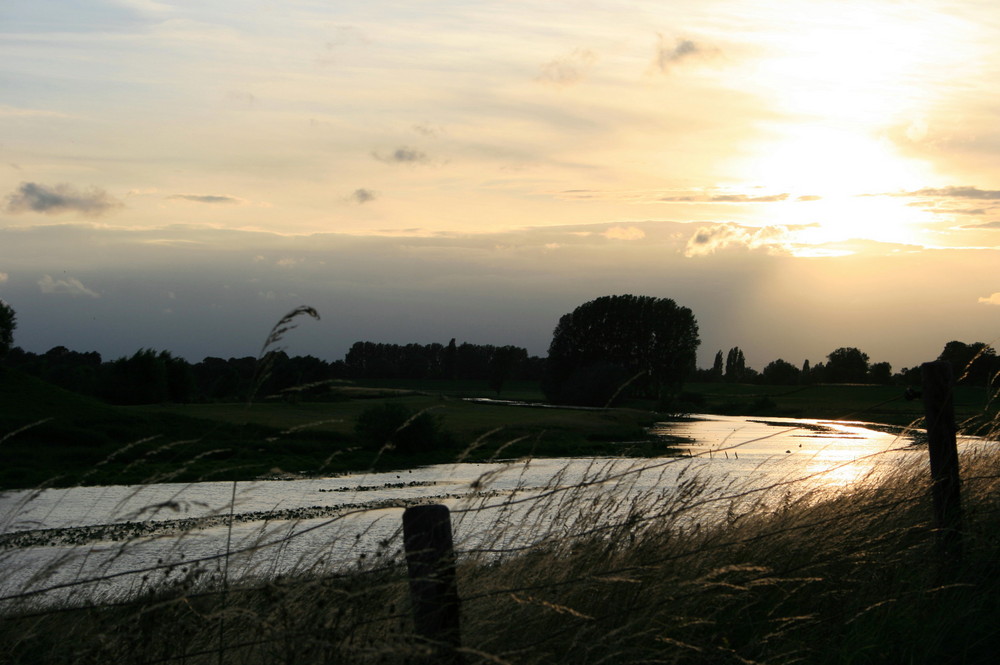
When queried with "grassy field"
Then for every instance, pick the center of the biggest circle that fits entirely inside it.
(57, 438)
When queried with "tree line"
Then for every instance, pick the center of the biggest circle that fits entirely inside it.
(604, 350)
(975, 364)
(149, 376)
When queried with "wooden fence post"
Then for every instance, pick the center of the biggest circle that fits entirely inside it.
(430, 561)
(939, 411)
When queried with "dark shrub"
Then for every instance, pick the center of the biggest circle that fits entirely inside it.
(392, 423)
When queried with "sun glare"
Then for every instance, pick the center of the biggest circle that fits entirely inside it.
(841, 84)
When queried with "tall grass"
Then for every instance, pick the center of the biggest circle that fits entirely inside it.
(682, 570)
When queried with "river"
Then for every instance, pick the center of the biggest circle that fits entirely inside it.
(87, 543)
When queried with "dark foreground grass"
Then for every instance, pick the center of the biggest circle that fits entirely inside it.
(848, 578)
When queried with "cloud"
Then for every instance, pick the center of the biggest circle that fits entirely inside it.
(955, 192)
(710, 239)
(668, 55)
(728, 198)
(206, 198)
(676, 196)
(624, 233)
(743, 198)
(991, 300)
(986, 225)
(402, 155)
(429, 130)
(34, 197)
(362, 195)
(967, 211)
(567, 70)
(70, 286)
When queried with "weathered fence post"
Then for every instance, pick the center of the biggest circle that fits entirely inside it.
(939, 411)
(430, 561)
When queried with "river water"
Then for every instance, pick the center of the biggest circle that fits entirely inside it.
(89, 543)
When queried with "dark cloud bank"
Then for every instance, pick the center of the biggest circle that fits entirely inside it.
(201, 292)
(61, 198)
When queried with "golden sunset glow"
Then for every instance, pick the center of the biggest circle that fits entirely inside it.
(482, 167)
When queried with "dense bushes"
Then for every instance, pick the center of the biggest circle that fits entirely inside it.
(394, 425)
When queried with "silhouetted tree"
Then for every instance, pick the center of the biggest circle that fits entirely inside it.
(717, 367)
(817, 374)
(8, 322)
(649, 343)
(846, 365)
(736, 365)
(450, 360)
(974, 364)
(780, 372)
(138, 379)
(504, 364)
(806, 374)
(880, 373)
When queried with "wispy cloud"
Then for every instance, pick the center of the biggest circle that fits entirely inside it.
(362, 195)
(57, 199)
(402, 155)
(729, 198)
(698, 196)
(985, 225)
(624, 233)
(569, 69)
(993, 299)
(669, 54)
(954, 193)
(70, 286)
(206, 198)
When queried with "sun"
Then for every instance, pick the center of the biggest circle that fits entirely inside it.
(843, 88)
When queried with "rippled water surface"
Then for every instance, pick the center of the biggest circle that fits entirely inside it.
(130, 536)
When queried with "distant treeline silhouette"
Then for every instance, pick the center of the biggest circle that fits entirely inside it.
(975, 364)
(497, 364)
(151, 377)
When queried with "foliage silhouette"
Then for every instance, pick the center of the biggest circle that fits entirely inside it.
(648, 343)
(8, 322)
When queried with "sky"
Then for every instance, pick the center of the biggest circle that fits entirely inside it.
(803, 176)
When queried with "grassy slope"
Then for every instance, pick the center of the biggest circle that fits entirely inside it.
(69, 439)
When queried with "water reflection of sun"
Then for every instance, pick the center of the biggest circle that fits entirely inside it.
(841, 466)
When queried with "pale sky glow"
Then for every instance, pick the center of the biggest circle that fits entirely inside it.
(803, 176)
